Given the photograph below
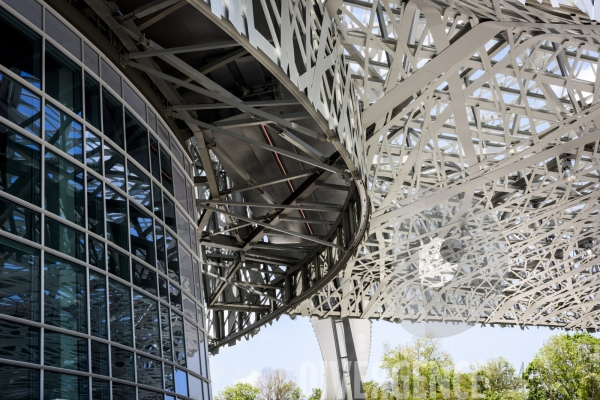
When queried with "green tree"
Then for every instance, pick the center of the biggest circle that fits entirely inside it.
(316, 394)
(567, 367)
(498, 380)
(278, 384)
(239, 391)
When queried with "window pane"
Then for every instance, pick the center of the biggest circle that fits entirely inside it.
(175, 296)
(118, 264)
(154, 158)
(91, 58)
(114, 165)
(169, 379)
(203, 355)
(178, 339)
(95, 210)
(98, 322)
(64, 132)
(19, 342)
(144, 278)
(119, 298)
(138, 186)
(180, 188)
(197, 283)
(65, 294)
(187, 271)
(112, 118)
(148, 395)
(149, 372)
(19, 105)
(137, 141)
(163, 289)
(63, 386)
(190, 197)
(64, 239)
(157, 205)
(92, 101)
(20, 161)
(181, 382)
(161, 253)
(63, 79)
(142, 234)
(189, 308)
(177, 152)
(183, 227)
(99, 358)
(116, 218)
(100, 389)
(19, 220)
(123, 392)
(21, 51)
(195, 387)
(191, 347)
(93, 151)
(19, 383)
(64, 192)
(166, 172)
(172, 257)
(65, 351)
(122, 365)
(170, 213)
(19, 280)
(96, 250)
(165, 324)
(147, 329)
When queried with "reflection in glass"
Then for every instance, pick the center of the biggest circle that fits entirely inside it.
(161, 252)
(149, 395)
(99, 358)
(149, 372)
(172, 257)
(197, 284)
(163, 289)
(19, 280)
(93, 151)
(19, 383)
(189, 308)
(203, 356)
(191, 347)
(144, 278)
(123, 392)
(65, 351)
(95, 209)
(137, 141)
(112, 118)
(157, 204)
(178, 339)
(96, 254)
(181, 382)
(116, 218)
(122, 364)
(19, 220)
(186, 269)
(22, 54)
(19, 105)
(180, 187)
(63, 132)
(165, 324)
(92, 101)
(169, 378)
(138, 186)
(154, 158)
(64, 191)
(62, 238)
(170, 213)
(119, 299)
(166, 171)
(64, 386)
(98, 321)
(118, 264)
(183, 228)
(65, 294)
(114, 165)
(142, 234)
(63, 79)
(20, 161)
(175, 296)
(195, 385)
(147, 330)
(100, 389)
(19, 342)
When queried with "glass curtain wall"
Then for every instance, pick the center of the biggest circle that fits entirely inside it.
(99, 278)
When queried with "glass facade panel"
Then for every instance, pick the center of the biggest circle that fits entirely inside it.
(114, 166)
(65, 351)
(155, 158)
(100, 365)
(180, 187)
(142, 234)
(119, 303)
(19, 220)
(191, 347)
(181, 382)
(122, 364)
(147, 327)
(19, 382)
(157, 204)
(93, 152)
(64, 386)
(92, 101)
(64, 189)
(144, 278)
(166, 171)
(116, 218)
(169, 378)
(149, 395)
(189, 308)
(64, 239)
(161, 251)
(63, 79)
(65, 294)
(19, 280)
(195, 385)
(112, 118)
(170, 213)
(19, 105)
(118, 264)
(165, 324)
(63, 132)
(178, 339)
(149, 372)
(172, 257)
(203, 356)
(183, 228)
(138, 186)
(137, 141)
(100, 389)
(98, 319)
(123, 392)
(96, 254)
(19, 342)
(20, 166)
(95, 201)
(22, 52)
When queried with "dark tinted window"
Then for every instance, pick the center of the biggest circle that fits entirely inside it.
(64, 191)
(65, 351)
(19, 383)
(64, 132)
(92, 101)
(64, 386)
(65, 239)
(20, 106)
(63, 79)
(19, 220)
(142, 234)
(98, 320)
(22, 51)
(137, 141)
(112, 118)
(119, 298)
(19, 342)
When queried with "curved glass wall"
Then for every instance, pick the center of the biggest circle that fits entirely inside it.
(100, 293)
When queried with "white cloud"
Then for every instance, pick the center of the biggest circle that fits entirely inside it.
(250, 378)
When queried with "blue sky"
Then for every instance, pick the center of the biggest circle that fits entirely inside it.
(292, 345)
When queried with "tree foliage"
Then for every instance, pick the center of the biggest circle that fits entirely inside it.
(278, 384)
(316, 394)
(498, 380)
(239, 391)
